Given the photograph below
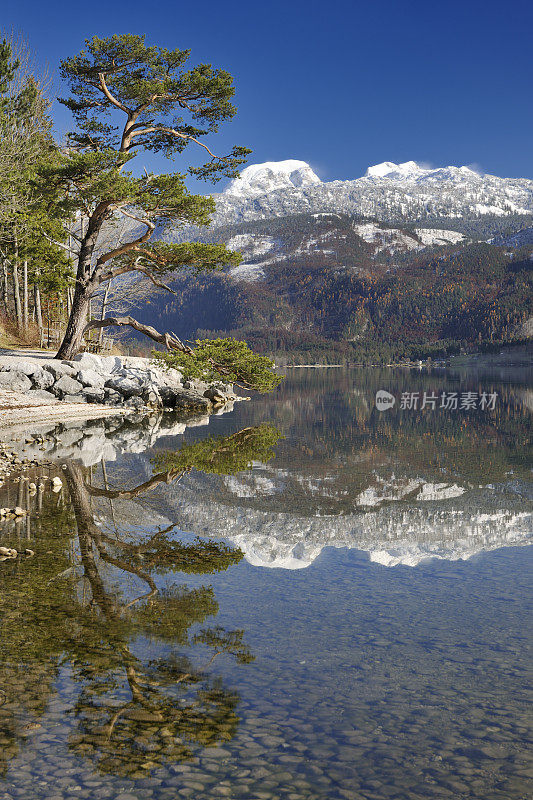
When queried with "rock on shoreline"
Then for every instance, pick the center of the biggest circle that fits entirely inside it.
(118, 381)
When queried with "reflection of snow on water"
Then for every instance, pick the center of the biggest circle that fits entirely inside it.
(448, 523)
(397, 520)
(107, 439)
(283, 516)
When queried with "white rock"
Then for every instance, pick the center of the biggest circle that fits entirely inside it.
(15, 381)
(89, 361)
(90, 377)
(66, 386)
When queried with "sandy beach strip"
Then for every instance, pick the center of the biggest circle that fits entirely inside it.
(19, 409)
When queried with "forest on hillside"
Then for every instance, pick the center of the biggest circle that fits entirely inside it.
(352, 303)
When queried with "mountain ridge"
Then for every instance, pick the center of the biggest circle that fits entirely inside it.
(388, 191)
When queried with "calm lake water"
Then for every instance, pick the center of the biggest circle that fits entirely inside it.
(305, 598)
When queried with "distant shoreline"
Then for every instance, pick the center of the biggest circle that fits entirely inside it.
(519, 355)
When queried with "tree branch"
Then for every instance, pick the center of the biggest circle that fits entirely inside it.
(60, 244)
(154, 280)
(170, 341)
(125, 248)
(113, 100)
(113, 494)
(177, 134)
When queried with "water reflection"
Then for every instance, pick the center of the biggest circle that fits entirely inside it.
(123, 662)
(90, 600)
(403, 485)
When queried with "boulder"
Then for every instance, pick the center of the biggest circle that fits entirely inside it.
(90, 377)
(110, 364)
(112, 393)
(58, 369)
(42, 379)
(225, 388)
(20, 365)
(73, 398)
(66, 386)
(168, 396)
(169, 377)
(197, 386)
(214, 394)
(42, 394)
(151, 395)
(143, 376)
(189, 401)
(174, 375)
(93, 394)
(127, 387)
(15, 381)
(135, 362)
(87, 361)
(112, 397)
(134, 402)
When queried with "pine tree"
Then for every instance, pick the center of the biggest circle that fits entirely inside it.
(163, 107)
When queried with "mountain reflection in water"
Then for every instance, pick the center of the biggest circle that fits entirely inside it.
(128, 640)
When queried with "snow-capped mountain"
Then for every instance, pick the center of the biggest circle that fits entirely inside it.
(387, 191)
(258, 179)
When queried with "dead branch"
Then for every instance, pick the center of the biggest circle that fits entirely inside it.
(170, 341)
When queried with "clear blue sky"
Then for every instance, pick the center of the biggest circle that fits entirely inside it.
(341, 84)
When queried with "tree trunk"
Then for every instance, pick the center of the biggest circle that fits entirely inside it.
(16, 296)
(37, 306)
(72, 341)
(5, 287)
(25, 314)
(102, 313)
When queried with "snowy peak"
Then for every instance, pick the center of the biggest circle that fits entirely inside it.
(392, 171)
(411, 171)
(389, 192)
(258, 179)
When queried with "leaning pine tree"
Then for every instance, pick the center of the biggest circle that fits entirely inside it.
(126, 98)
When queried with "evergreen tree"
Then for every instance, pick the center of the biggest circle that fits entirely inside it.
(160, 105)
(27, 228)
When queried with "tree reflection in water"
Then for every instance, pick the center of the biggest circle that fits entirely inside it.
(138, 704)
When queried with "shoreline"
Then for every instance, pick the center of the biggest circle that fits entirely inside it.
(36, 389)
(15, 408)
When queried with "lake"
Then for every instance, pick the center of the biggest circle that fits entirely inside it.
(306, 598)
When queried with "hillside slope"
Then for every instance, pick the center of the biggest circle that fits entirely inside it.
(331, 286)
